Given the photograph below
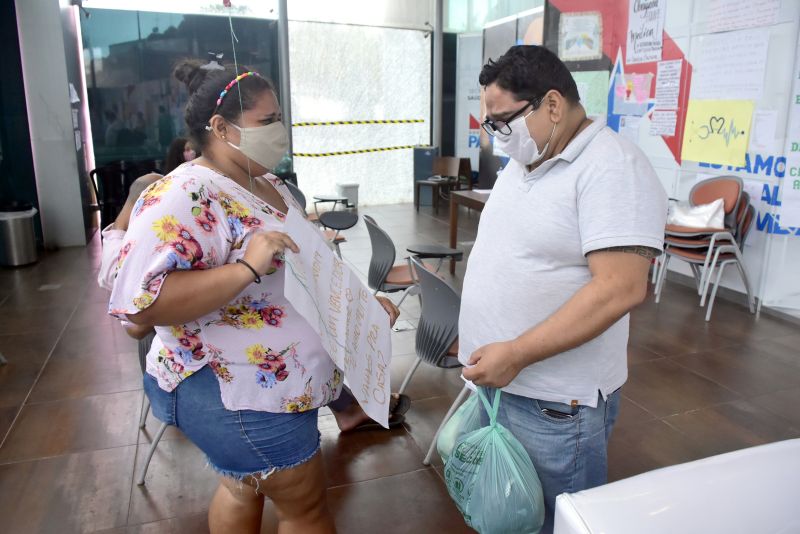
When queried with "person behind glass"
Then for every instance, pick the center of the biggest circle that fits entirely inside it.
(233, 365)
(573, 222)
(179, 152)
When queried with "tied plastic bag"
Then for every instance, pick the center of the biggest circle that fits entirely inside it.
(702, 216)
(492, 480)
(466, 419)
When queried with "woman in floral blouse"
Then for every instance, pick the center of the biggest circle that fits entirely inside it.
(233, 365)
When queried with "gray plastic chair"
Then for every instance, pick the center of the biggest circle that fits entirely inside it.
(437, 333)
(144, 347)
(337, 221)
(382, 267)
(296, 193)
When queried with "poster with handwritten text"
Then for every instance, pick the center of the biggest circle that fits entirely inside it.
(353, 326)
(645, 31)
(717, 131)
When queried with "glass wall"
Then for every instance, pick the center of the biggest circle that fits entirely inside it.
(136, 106)
(342, 73)
(464, 16)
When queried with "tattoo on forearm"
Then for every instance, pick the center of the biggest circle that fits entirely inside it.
(645, 252)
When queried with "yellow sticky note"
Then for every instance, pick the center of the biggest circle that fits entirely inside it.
(717, 131)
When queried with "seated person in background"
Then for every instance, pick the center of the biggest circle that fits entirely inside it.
(180, 151)
(113, 235)
(348, 413)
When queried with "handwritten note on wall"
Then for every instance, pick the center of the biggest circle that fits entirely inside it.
(717, 131)
(353, 326)
(726, 15)
(668, 84)
(730, 65)
(645, 30)
(663, 122)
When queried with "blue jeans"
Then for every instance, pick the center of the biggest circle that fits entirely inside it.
(237, 443)
(568, 445)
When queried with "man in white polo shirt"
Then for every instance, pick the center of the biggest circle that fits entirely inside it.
(562, 255)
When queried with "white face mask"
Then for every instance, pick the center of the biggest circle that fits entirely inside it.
(519, 144)
(266, 145)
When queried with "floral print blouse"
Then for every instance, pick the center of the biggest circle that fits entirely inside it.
(263, 352)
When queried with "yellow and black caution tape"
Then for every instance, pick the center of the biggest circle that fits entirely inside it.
(344, 123)
(350, 152)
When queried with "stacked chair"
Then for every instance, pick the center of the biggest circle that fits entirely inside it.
(707, 249)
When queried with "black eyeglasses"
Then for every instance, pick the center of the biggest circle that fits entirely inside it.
(502, 127)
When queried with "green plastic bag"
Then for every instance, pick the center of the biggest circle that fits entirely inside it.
(466, 419)
(492, 480)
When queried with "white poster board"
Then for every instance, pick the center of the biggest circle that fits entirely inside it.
(645, 31)
(352, 324)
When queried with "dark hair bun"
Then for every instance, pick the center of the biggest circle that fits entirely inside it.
(191, 73)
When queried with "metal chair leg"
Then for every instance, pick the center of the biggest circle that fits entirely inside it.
(707, 283)
(156, 439)
(661, 279)
(453, 407)
(697, 282)
(656, 267)
(714, 291)
(145, 410)
(751, 301)
(410, 373)
(412, 290)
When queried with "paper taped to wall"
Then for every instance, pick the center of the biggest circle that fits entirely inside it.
(717, 131)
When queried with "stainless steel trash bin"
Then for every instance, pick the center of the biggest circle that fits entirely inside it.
(17, 236)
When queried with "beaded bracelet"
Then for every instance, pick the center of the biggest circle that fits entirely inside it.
(258, 278)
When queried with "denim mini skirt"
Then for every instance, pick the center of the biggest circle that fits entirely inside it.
(237, 443)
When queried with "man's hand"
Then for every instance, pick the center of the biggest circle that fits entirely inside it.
(494, 365)
(391, 309)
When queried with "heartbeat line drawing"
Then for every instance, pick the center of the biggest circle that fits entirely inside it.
(716, 126)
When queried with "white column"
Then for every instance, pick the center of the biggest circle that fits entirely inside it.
(52, 139)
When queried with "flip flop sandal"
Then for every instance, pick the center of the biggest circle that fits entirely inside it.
(395, 421)
(400, 404)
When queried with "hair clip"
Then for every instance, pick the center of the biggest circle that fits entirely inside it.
(213, 63)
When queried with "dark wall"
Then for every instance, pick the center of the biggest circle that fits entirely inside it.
(449, 59)
(17, 180)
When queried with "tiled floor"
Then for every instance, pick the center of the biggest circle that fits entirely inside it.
(70, 443)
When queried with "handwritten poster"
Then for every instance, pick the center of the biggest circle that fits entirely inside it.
(717, 131)
(730, 65)
(645, 30)
(663, 123)
(727, 15)
(353, 326)
(790, 199)
(668, 84)
(580, 36)
(593, 91)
